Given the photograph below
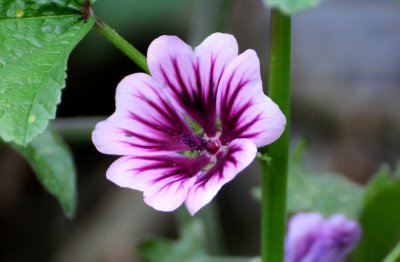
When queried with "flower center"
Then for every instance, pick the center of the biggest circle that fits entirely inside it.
(195, 142)
(213, 146)
(200, 143)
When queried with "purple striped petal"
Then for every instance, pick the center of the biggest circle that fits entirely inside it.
(210, 86)
(165, 179)
(192, 76)
(337, 239)
(144, 121)
(214, 54)
(240, 153)
(244, 110)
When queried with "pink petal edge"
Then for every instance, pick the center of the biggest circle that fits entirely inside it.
(164, 179)
(243, 151)
(144, 121)
(245, 111)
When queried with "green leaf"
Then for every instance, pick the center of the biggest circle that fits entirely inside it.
(290, 7)
(327, 193)
(380, 217)
(35, 42)
(191, 244)
(191, 247)
(394, 255)
(51, 160)
(224, 259)
(81, 2)
(38, 8)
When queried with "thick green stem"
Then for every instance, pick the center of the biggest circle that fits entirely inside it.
(274, 171)
(123, 45)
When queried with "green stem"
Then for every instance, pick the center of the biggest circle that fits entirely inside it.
(135, 55)
(394, 255)
(274, 171)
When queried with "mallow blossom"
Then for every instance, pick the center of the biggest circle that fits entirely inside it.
(311, 238)
(191, 125)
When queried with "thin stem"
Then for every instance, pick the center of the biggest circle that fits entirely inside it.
(135, 55)
(274, 171)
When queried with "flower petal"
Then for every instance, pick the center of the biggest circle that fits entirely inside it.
(168, 194)
(214, 55)
(144, 121)
(240, 153)
(192, 76)
(165, 179)
(244, 110)
(310, 237)
(302, 232)
(337, 239)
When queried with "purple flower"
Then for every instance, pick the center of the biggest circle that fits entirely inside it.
(191, 126)
(311, 238)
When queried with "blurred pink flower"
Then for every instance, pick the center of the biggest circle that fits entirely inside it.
(311, 238)
(208, 101)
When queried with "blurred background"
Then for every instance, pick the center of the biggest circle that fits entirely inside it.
(346, 92)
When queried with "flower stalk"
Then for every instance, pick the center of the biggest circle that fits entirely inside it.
(118, 41)
(124, 46)
(274, 171)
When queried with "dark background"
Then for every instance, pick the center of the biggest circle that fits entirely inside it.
(346, 90)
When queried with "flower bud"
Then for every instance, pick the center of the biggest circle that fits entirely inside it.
(311, 238)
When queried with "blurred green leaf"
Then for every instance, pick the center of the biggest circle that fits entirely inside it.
(394, 255)
(380, 217)
(191, 247)
(36, 38)
(327, 193)
(52, 162)
(291, 7)
(224, 259)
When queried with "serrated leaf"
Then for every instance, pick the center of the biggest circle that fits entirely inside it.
(51, 160)
(326, 193)
(35, 42)
(191, 244)
(291, 7)
(380, 217)
(191, 247)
